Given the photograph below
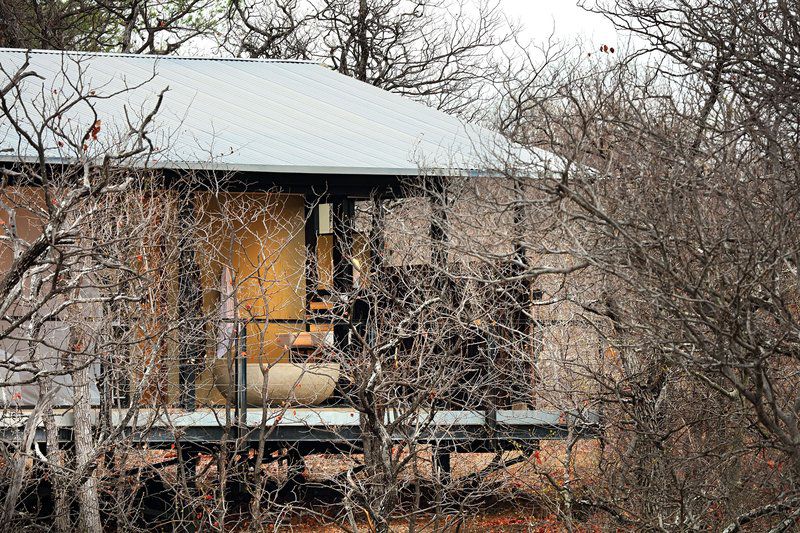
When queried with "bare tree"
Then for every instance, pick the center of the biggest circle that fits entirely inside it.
(142, 27)
(71, 275)
(677, 192)
(436, 51)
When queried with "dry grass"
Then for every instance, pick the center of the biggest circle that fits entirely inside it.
(522, 499)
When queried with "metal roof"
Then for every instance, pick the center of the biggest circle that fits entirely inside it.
(244, 115)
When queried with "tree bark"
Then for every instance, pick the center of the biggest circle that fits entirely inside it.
(18, 467)
(84, 446)
(55, 460)
(363, 41)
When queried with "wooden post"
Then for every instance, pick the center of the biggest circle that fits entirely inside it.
(441, 281)
(377, 239)
(362, 308)
(438, 231)
(295, 473)
(441, 460)
(537, 338)
(521, 293)
(343, 213)
(190, 299)
(312, 259)
(187, 483)
(240, 371)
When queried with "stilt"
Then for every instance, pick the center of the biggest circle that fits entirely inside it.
(295, 473)
(441, 462)
(185, 519)
(441, 478)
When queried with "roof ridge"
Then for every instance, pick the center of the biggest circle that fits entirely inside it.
(156, 57)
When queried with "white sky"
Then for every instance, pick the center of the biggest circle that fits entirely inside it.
(541, 17)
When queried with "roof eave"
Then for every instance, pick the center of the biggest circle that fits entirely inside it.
(196, 166)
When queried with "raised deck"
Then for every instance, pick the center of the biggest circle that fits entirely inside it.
(326, 429)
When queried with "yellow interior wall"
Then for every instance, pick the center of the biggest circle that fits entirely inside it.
(325, 261)
(261, 237)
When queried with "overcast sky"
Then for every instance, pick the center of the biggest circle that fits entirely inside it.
(540, 17)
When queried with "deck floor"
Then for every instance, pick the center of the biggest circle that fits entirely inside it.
(320, 428)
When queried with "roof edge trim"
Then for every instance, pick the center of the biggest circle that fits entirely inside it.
(151, 57)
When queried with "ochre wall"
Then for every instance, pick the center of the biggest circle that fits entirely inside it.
(260, 236)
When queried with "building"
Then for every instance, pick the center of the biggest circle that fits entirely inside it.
(272, 155)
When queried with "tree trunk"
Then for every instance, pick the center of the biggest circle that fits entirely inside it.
(55, 460)
(84, 446)
(362, 48)
(18, 462)
(381, 488)
(17, 467)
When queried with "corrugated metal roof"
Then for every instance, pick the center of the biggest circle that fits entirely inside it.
(245, 115)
